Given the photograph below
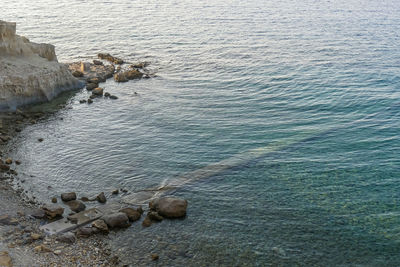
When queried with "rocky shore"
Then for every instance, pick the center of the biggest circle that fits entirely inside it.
(68, 230)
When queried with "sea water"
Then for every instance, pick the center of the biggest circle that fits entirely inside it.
(313, 86)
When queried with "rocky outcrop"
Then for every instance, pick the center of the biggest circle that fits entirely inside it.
(29, 72)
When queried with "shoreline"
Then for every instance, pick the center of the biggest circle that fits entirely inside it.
(20, 236)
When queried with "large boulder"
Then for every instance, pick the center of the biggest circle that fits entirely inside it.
(116, 220)
(169, 207)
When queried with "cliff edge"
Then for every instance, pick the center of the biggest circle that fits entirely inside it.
(29, 72)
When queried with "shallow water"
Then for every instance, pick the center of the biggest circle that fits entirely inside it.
(320, 78)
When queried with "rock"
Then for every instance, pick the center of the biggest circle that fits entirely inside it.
(86, 231)
(113, 97)
(7, 220)
(92, 96)
(132, 214)
(54, 200)
(86, 199)
(38, 214)
(101, 225)
(30, 71)
(107, 94)
(77, 74)
(68, 196)
(5, 259)
(169, 207)
(110, 58)
(140, 210)
(120, 77)
(115, 192)
(52, 211)
(4, 167)
(98, 91)
(154, 216)
(97, 62)
(94, 80)
(67, 238)
(154, 257)
(133, 74)
(118, 219)
(40, 139)
(42, 248)
(101, 198)
(82, 101)
(90, 101)
(57, 252)
(18, 162)
(146, 222)
(8, 161)
(35, 236)
(91, 86)
(76, 205)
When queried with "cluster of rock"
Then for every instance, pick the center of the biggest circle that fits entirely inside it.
(29, 72)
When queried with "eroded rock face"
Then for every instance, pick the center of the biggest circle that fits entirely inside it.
(29, 72)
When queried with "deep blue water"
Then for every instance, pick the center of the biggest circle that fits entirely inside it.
(321, 78)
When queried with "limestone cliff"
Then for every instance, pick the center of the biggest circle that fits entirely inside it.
(29, 72)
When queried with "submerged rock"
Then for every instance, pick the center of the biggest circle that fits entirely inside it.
(169, 207)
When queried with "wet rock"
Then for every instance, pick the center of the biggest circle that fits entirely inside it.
(116, 220)
(82, 101)
(154, 216)
(97, 62)
(90, 101)
(4, 167)
(40, 139)
(120, 77)
(91, 86)
(101, 198)
(98, 91)
(101, 225)
(94, 80)
(115, 192)
(7, 220)
(146, 222)
(113, 97)
(86, 199)
(38, 214)
(5, 259)
(18, 162)
(76, 205)
(54, 200)
(92, 97)
(86, 231)
(139, 65)
(110, 58)
(133, 74)
(169, 207)
(140, 210)
(52, 211)
(77, 73)
(8, 161)
(133, 215)
(67, 238)
(68, 196)
(154, 257)
(107, 94)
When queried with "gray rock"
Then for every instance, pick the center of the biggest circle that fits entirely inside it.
(68, 196)
(132, 214)
(67, 238)
(52, 211)
(76, 205)
(169, 207)
(38, 214)
(118, 219)
(101, 198)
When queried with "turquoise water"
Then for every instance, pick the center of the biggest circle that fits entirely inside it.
(319, 78)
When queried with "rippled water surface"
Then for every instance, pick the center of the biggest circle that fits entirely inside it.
(320, 78)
